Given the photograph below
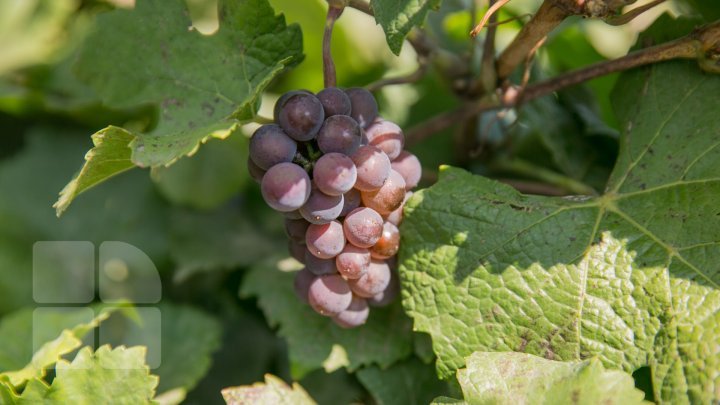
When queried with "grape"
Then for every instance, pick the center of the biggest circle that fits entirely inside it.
(355, 315)
(351, 200)
(255, 171)
(301, 115)
(374, 281)
(281, 101)
(303, 279)
(396, 216)
(389, 197)
(353, 261)
(335, 101)
(409, 167)
(387, 136)
(339, 133)
(285, 187)
(388, 244)
(388, 295)
(329, 295)
(325, 241)
(319, 267)
(294, 214)
(364, 107)
(269, 146)
(321, 208)
(373, 168)
(296, 228)
(363, 227)
(297, 250)
(334, 174)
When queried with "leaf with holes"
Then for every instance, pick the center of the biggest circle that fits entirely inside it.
(203, 85)
(630, 277)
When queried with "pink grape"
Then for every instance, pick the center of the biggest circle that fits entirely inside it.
(389, 197)
(334, 174)
(387, 136)
(409, 167)
(374, 281)
(396, 216)
(319, 267)
(355, 315)
(321, 208)
(270, 145)
(285, 187)
(388, 295)
(303, 279)
(373, 168)
(325, 241)
(329, 295)
(388, 244)
(351, 200)
(363, 227)
(353, 261)
(296, 228)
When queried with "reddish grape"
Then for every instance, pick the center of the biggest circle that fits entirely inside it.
(396, 216)
(373, 168)
(335, 101)
(363, 227)
(285, 187)
(319, 267)
(325, 241)
(296, 228)
(389, 197)
(374, 281)
(409, 167)
(329, 295)
(364, 107)
(269, 146)
(340, 134)
(297, 250)
(387, 136)
(388, 244)
(351, 200)
(301, 115)
(355, 315)
(303, 279)
(353, 261)
(281, 102)
(334, 174)
(321, 208)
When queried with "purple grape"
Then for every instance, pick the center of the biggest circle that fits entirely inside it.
(388, 295)
(281, 101)
(255, 171)
(335, 101)
(297, 250)
(355, 315)
(269, 146)
(364, 107)
(319, 267)
(296, 228)
(389, 197)
(409, 167)
(353, 261)
(329, 295)
(396, 216)
(387, 136)
(373, 168)
(373, 282)
(340, 134)
(363, 227)
(321, 208)
(388, 244)
(351, 200)
(294, 214)
(286, 187)
(325, 241)
(303, 279)
(300, 115)
(334, 174)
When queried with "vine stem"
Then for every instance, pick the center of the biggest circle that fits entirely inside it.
(329, 75)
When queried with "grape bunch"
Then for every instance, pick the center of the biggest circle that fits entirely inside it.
(339, 174)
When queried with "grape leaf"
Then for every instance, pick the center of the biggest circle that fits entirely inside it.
(517, 378)
(315, 341)
(92, 378)
(272, 391)
(630, 277)
(203, 85)
(407, 382)
(398, 17)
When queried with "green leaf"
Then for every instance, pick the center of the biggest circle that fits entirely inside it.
(119, 374)
(203, 85)
(630, 277)
(398, 17)
(408, 382)
(110, 156)
(516, 378)
(315, 341)
(272, 391)
(210, 178)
